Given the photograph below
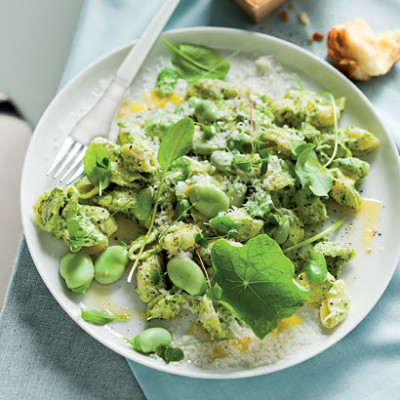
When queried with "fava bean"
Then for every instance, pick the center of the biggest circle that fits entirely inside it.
(179, 169)
(316, 267)
(193, 101)
(187, 275)
(208, 200)
(282, 232)
(77, 269)
(159, 124)
(205, 148)
(111, 264)
(222, 160)
(240, 142)
(166, 82)
(222, 225)
(150, 339)
(206, 112)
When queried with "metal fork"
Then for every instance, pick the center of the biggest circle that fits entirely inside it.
(97, 122)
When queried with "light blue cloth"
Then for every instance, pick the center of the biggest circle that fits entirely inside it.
(364, 365)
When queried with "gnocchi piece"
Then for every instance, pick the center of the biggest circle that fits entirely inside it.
(149, 279)
(335, 307)
(180, 237)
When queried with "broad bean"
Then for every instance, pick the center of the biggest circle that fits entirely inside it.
(205, 148)
(206, 112)
(282, 232)
(240, 142)
(166, 82)
(208, 200)
(77, 269)
(316, 267)
(223, 225)
(187, 275)
(111, 264)
(222, 160)
(150, 339)
(159, 124)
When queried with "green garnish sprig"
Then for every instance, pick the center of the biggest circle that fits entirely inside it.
(177, 142)
(103, 317)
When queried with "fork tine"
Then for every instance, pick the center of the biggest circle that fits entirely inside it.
(78, 173)
(76, 162)
(68, 142)
(68, 159)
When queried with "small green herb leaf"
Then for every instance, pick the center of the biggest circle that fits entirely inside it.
(193, 62)
(169, 353)
(144, 200)
(298, 146)
(209, 131)
(103, 317)
(177, 141)
(308, 170)
(257, 282)
(76, 235)
(200, 239)
(156, 277)
(214, 292)
(97, 166)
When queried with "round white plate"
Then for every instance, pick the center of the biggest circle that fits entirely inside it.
(374, 270)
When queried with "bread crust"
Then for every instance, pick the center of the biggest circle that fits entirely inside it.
(358, 53)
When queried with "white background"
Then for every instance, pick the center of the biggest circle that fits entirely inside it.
(35, 40)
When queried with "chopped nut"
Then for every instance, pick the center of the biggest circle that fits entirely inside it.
(316, 36)
(354, 49)
(284, 16)
(303, 17)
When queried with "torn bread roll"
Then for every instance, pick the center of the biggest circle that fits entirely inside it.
(354, 49)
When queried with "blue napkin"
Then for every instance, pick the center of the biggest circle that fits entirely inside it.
(365, 364)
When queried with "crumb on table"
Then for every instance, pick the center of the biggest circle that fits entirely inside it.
(316, 37)
(303, 17)
(284, 16)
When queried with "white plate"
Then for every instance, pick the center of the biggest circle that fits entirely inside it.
(373, 271)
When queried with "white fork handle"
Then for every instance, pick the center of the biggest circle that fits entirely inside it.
(129, 68)
(98, 120)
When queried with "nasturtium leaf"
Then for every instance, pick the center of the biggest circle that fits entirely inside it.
(193, 62)
(257, 282)
(308, 169)
(177, 141)
(97, 166)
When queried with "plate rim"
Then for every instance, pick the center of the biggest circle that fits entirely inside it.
(149, 362)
